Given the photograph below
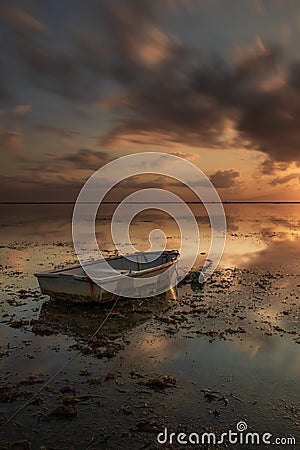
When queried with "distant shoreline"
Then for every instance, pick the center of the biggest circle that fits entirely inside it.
(159, 203)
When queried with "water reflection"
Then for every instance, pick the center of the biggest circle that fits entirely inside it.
(81, 321)
(258, 235)
(238, 334)
(282, 253)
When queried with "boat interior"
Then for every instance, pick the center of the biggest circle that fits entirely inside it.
(136, 262)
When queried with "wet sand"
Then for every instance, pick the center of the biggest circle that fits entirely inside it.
(201, 360)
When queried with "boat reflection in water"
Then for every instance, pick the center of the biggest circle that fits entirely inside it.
(81, 320)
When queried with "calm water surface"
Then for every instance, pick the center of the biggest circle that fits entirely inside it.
(238, 337)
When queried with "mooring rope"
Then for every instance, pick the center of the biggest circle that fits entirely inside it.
(35, 395)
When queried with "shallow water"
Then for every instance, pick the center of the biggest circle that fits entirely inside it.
(233, 346)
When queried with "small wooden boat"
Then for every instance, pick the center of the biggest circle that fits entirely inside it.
(72, 284)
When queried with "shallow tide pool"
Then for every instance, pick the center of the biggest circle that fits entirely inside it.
(195, 360)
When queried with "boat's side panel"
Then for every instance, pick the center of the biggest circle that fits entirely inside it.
(69, 289)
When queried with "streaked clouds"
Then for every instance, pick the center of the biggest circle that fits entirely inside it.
(143, 75)
(87, 159)
(285, 179)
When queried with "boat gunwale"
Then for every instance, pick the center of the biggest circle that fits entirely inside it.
(132, 273)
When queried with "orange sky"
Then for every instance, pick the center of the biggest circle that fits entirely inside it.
(214, 82)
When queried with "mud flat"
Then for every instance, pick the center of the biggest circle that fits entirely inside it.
(223, 353)
(198, 362)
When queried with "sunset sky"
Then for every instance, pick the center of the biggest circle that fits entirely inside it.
(83, 82)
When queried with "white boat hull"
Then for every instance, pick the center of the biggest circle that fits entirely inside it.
(73, 285)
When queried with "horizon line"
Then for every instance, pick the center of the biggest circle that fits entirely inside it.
(138, 203)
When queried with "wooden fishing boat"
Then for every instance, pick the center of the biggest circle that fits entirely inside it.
(72, 284)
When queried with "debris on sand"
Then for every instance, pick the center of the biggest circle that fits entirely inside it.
(109, 376)
(210, 395)
(69, 400)
(31, 380)
(93, 381)
(29, 293)
(236, 330)
(10, 393)
(126, 410)
(19, 323)
(16, 445)
(109, 352)
(146, 426)
(101, 348)
(68, 389)
(63, 411)
(42, 330)
(84, 373)
(159, 383)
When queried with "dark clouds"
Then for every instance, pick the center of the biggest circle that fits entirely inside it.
(269, 167)
(87, 159)
(73, 71)
(12, 141)
(55, 130)
(194, 107)
(225, 178)
(22, 21)
(5, 93)
(62, 73)
(172, 92)
(33, 188)
(285, 179)
(186, 99)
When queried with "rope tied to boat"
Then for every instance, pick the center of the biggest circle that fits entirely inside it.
(39, 391)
